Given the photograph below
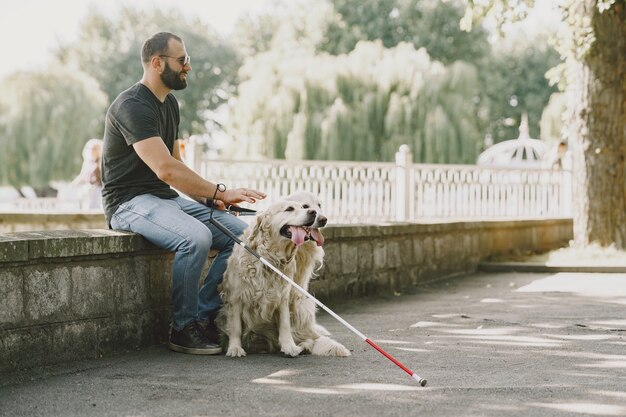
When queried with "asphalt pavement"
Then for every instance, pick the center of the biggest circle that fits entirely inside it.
(489, 344)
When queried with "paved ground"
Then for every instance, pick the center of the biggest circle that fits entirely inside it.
(500, 344)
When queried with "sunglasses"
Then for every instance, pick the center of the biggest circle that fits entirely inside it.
(183, 60)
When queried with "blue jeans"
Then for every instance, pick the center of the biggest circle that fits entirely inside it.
(182, 226)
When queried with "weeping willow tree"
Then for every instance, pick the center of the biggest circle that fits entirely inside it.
(358, 106)
(45, 120)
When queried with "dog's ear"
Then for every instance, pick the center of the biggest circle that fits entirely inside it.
(261, 221)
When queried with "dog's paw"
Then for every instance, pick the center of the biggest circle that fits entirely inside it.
(340, 350)
(307, 345)
(322, 330)
(235, 352)
(325, 346)
(291, 350)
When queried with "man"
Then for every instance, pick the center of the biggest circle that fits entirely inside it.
(141, 164)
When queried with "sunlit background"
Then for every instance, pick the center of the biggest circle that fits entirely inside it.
(345, 80)
(36, 28)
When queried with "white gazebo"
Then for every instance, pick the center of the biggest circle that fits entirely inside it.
(522, 152)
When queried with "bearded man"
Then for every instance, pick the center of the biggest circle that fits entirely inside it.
(141, 171)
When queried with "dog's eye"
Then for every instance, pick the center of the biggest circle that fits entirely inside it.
(290, 208)
(305, 206)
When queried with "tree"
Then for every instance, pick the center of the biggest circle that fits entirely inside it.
(360, 106)
(511, 74)
(597, 117)
(513, 81)
(45, 120)
(428, 24)
(594, 46)
(109, 50)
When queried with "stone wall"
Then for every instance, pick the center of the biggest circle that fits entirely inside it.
(368, 259)
(79, 294)
(76, 294)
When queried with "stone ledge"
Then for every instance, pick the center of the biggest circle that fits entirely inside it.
(398, 229)
(25, 246)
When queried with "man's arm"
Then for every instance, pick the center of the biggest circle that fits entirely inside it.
(218, 204)
(176, 174)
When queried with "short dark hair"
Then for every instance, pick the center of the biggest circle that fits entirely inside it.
(156, 44)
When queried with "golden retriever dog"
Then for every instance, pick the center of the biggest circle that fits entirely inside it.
(261, 311)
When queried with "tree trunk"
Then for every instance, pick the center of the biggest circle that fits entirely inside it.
(597, 135)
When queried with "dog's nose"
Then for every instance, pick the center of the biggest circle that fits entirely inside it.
(312, 213)
(321, 221)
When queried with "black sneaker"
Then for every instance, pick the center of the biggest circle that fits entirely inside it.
(210, 331)
(192, 340)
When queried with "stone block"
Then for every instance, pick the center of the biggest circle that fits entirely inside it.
(74, 340)
(349, 258)
(332, 258)
(365, 256)
(13, 249)
(160, 280)
(352, 286)
(319, 287)
(394, 258)
(131, 279)
(25, 348)
(380, 256)
(418, 250)
(428, 247)
(336, 288)
(93, 290)
(131, 331)
(405, 244)
(11, 296)
(47, 293)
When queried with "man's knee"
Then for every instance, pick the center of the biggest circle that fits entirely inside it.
(240, 228)
(200, 241)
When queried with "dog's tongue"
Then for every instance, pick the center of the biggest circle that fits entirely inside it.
(317, 237)
(298, 234)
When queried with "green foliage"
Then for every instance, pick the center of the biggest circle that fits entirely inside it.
(359, 106)
(109, 50)
(431, 24)
(45, 120)
(514, 81)
(510, 79)
(285, 24)
(335, 27)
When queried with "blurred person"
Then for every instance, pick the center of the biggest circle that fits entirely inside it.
(91, 174)
(142, 167)
(558, 159)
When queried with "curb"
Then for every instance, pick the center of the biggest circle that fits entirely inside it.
(547, 267)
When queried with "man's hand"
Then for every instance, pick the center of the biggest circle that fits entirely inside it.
(240, 195)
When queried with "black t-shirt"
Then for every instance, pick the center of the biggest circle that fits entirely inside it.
(135, 115)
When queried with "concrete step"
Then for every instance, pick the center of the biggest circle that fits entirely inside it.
(548, 267)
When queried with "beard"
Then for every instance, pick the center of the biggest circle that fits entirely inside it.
(172, 80)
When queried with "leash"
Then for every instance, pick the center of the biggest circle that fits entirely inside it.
(231, 208)
(240, 211)
(231, 235)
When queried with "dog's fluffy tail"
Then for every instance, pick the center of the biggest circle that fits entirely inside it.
(325, 346)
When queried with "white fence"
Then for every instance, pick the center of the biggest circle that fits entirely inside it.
(358, 192)
(402, 191)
